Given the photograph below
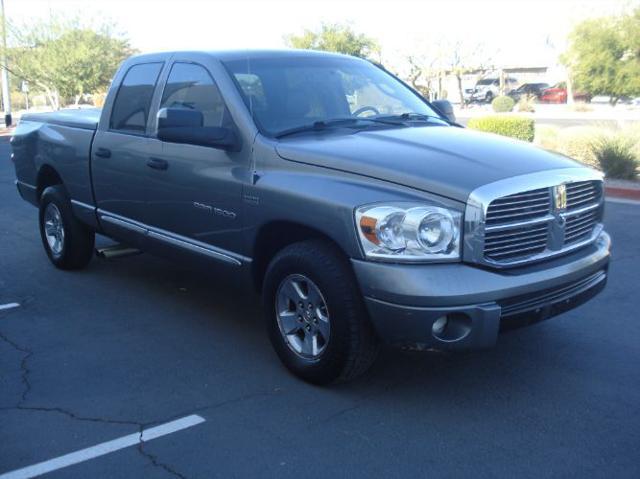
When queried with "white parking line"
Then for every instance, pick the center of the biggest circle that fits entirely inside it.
(104, 448)
(9, 306)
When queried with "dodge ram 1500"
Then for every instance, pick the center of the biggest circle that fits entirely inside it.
(360, 211)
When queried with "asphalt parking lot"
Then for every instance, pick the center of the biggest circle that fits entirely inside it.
(93, 356)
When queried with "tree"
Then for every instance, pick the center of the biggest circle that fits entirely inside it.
(335, 37)
(603, 57)
(65, 59)
(420, 74)
(465, 58)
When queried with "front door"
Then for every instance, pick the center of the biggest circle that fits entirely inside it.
(195, 193)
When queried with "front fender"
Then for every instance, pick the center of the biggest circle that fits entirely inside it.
(319, 198)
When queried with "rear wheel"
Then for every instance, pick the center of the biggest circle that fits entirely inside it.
(68, 242)
(316, 319)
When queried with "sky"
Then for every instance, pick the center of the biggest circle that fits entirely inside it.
(516, 32)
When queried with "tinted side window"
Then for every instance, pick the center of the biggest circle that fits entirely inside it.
(190, 86)
(131, 107)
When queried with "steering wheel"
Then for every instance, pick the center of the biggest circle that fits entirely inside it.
(361, 110)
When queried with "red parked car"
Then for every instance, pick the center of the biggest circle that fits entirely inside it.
(558, 94)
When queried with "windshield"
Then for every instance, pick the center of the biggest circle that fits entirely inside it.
(292, 92)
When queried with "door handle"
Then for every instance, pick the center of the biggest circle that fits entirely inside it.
(157, 163)
(103, 152)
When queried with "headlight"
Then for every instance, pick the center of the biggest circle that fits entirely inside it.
(409, 232)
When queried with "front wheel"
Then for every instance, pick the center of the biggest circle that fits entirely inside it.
(316, 319)
(67, 242)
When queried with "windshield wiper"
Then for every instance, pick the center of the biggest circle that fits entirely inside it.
(349, 122)
(411, 116)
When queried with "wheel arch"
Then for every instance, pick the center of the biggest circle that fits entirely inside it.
(47, 176)
(272, 237)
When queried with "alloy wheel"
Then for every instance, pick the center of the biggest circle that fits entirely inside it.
(54, 229)
(303, 316)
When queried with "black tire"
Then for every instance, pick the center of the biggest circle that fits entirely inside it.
(353, 345)
(488, 97)
(78, 241)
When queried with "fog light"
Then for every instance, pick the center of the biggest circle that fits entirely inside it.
(439, 325)
(452, 327)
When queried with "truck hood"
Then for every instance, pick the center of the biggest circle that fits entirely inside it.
(446, 161)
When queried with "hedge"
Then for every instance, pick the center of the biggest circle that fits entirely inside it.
(518, 127)
(502, 104)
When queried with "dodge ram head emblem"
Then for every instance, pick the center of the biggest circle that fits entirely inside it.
(557, 227)
(560, 197)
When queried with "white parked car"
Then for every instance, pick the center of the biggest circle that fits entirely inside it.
(489, 88)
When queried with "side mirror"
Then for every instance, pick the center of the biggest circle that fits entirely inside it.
(445, 108)
(181, 125)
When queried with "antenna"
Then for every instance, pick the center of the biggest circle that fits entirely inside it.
(250, 96)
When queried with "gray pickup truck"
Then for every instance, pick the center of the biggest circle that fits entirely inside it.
(360, 211)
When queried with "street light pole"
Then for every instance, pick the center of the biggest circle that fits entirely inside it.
(6, 97)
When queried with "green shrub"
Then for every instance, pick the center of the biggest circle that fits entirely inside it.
(582, 143)
(502, 104)
(617, 157)
(576, 142)
(518, 127)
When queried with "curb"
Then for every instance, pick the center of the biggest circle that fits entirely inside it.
(626, 193)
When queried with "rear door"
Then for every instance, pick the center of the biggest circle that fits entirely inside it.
(121, 150)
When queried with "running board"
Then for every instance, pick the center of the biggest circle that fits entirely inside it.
(116, 251)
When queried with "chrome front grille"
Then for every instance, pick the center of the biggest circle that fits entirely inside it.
(582, 193)
(519, 207)
(556, 214)
(512, 243)
(580, 226)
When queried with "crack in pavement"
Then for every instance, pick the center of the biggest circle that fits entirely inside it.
(152, 458)
(72, 415)
(359, 402)
(27, 353)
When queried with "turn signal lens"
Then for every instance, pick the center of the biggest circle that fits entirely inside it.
(368, 229)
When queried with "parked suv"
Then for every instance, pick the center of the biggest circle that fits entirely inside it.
(489, 88)
(358, 211)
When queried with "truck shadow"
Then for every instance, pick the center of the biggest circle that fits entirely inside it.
(235, 317)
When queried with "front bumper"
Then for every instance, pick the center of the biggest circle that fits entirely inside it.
(405, 300)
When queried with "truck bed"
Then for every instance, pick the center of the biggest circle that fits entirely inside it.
(87, 118)
(58, 141)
